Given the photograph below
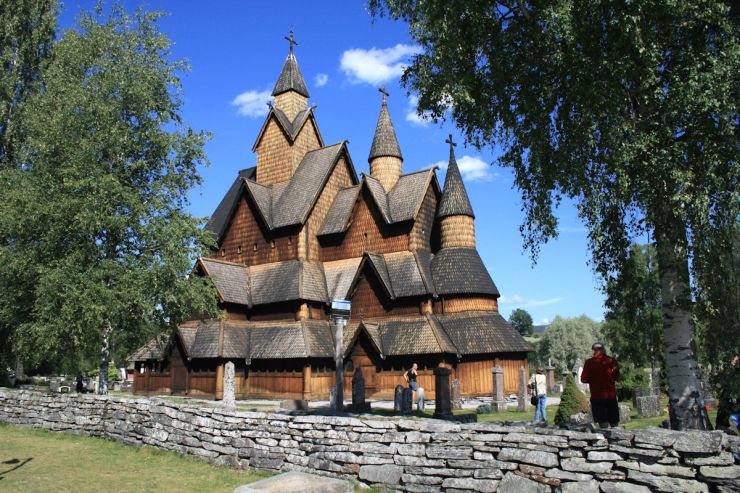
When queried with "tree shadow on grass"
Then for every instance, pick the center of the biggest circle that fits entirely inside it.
(16, 463)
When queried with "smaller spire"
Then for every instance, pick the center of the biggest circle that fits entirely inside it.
(455, 201)
(290, 78)
(385, 142)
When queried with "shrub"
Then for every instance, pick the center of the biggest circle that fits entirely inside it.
(483, 409)
(572, 401)
(631, 378)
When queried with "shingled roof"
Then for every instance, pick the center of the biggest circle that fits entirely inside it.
(402, 203)
(461, 271)
(455, 201)
(482, 332)
(385, 142)
(290, 78)
(220, 217)
(155, 349)
(291, 129)
(231, 280)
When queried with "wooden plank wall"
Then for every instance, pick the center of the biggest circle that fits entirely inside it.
(456, 304)
(369, 299)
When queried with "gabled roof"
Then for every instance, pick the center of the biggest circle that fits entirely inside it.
(290, 78)
(231, 280)
(404, 273)
(402, 203)
(155, 349)
(455, 201)
(291, 129)
(221, 216)
(461, 271)
(339, 275)
(385, 142)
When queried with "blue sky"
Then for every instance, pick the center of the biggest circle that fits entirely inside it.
(236, 50)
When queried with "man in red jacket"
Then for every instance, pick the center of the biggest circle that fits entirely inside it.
(600, 372)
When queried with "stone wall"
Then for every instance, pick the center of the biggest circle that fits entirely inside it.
(403, 454)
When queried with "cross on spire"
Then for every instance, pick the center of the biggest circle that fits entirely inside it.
(292, 41)
(449, 141)
(385, 93)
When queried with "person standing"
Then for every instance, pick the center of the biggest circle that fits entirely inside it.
(538, 384)
(410, 377)
(78, 383)
(601, 372)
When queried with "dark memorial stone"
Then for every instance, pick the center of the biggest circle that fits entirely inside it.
(358, 393)
(637, 393)
(406, 400)
(456, 396)
(397, 396)
(442, 400)
(648, 406)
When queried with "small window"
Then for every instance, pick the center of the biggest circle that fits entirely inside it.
(255, 246)
(272, 243)
(223, 252)
(239, 249)
(290, 240)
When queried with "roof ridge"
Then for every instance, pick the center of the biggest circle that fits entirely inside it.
(226, 262)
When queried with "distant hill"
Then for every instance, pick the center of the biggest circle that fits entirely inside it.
(539, 329)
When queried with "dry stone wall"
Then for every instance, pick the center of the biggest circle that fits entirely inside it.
(402, 454)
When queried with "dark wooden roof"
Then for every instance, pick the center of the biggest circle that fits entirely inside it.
(290, 78)
(221, 216)
(385, 142)
(155, 349)
(231, 280)
(461, 271)
(402, 203)
(482, 332)
(455, 201)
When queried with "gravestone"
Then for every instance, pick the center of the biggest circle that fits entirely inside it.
(550, 376)
(647, 406)
(522, 397)
(625, 413)
(229, 399)
(442, 401)
(406, 400)
(655, 381)
(54, 385)
(456, 396)
(420, 399)
(637, 393)
(358, 393)
(397, 399)
(333, 397)
(499, 400)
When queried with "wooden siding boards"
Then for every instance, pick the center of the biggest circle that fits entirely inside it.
(225, 209)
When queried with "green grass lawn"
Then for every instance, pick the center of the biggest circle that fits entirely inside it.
(37, 460)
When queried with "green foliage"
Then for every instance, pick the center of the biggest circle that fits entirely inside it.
(633, 327)
(630, 379)
(95, 218)
(567, 340)
(572, 401)
(521, 320)
(630, 109)
(483, 409)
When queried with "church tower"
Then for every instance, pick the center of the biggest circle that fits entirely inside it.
(290, 130)
(455, 213)
(385, 156)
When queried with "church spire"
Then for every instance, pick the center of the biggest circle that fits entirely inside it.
(457, 225)
(385, 155)
(290, 78)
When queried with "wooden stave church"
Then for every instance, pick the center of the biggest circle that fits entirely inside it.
(300, 229)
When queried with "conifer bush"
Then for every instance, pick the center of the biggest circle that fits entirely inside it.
(572, 401)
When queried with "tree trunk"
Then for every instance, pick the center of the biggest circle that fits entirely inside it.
(686, 400)
(105, 357)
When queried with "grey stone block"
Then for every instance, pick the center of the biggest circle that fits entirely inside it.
(386, 474)
(544, 459)
(513, 483)
(470, 484)
(591, 486)
(581, 465)
(664, 483)
(621, 487)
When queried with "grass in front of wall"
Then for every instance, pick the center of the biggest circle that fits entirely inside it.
(33, 460)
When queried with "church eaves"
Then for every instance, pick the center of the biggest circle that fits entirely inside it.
(384, 141)
(455, 201)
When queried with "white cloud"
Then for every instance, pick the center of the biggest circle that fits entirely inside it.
(412, 115)
(472, 168)
(544, 321)
(376, 66)
(522, 302)
(252, 103)
(320, 80)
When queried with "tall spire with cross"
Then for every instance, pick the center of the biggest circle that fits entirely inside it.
(385, 155)
(455, 201)
(290, 78)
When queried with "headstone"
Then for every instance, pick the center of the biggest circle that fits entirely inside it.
(229, 400)
(333, 397)
(456, 397)
(397, 399)
(625, 413)
(558, 388)
(420, 399)
(406, 400)
(550, 376)
(442, 401)
(358, 393)
(655, 381)
(54, 385)
(637, 393)
(522, 398)
(294, 406)
(499, 400)
(647, 406)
